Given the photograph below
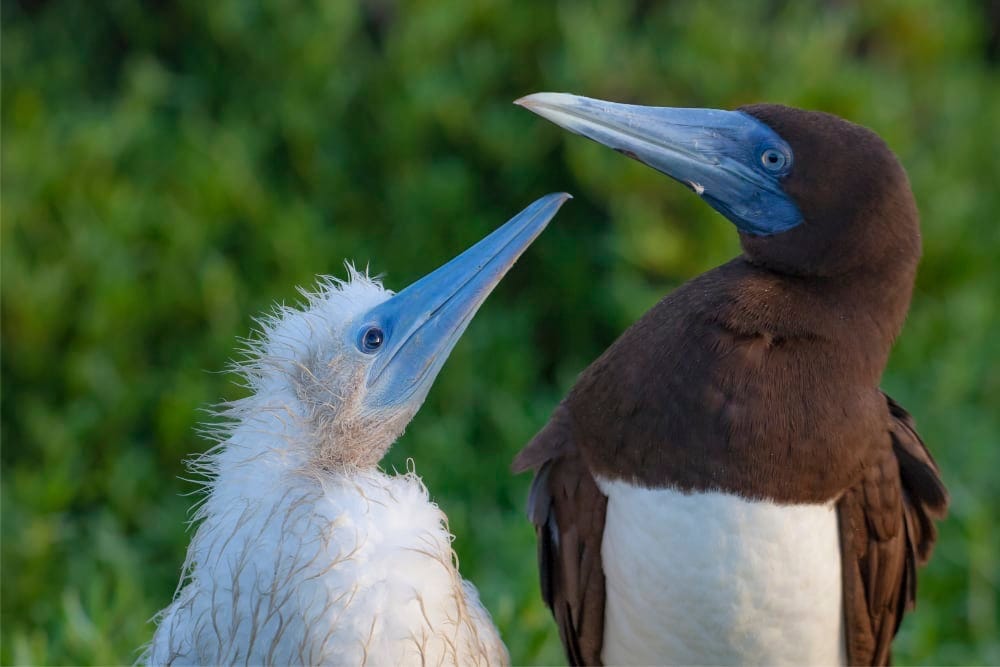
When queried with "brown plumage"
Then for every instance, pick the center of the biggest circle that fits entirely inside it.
(760, 378)
(887, 529)
(568, 510)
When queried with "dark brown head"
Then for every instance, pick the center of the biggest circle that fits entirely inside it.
(810, 193)
(857, 208)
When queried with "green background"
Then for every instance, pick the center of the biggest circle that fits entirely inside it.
(171, 169)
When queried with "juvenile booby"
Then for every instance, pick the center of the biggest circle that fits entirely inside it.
(727, 484)
(306, 553)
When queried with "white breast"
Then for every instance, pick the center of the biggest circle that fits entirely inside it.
(712, 579)
(318, 568)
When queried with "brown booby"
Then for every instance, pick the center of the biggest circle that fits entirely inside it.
(726, 483)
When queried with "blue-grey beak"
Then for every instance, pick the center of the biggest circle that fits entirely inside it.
(729, 158)
(414, 331)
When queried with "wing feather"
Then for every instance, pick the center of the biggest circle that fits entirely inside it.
(567, 509)
(887, 530)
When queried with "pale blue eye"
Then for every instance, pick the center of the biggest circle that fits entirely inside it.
(773, 159)
(371, 339)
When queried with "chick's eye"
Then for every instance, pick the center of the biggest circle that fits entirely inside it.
(773, 159)
(371, 339)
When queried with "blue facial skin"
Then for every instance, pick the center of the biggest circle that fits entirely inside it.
(412, 333)
(729, 158)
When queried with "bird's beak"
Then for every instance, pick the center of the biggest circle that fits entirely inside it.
(422, 323)
(709, 150)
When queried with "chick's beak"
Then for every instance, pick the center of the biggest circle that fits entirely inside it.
(422, 323)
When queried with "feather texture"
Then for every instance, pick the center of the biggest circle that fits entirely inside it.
(887, 530)
(303, 554)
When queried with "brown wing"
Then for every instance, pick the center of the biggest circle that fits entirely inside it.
(568, 511)
(887, 529)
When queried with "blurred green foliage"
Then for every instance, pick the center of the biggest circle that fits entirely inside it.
(170, 169)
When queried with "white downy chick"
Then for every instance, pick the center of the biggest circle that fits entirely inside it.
(306, 552)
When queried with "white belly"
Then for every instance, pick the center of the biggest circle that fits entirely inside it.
(351, 570)
(712, 579)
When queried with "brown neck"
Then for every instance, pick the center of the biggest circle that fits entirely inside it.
(860, 313)
(747, 380)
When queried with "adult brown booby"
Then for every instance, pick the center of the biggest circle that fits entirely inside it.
(727, 484)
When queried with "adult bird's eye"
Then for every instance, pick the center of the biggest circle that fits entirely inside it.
(773, 159)
(371, 339)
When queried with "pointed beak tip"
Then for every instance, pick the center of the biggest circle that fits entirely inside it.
(538, 99)
(524, 102)
(554, 201)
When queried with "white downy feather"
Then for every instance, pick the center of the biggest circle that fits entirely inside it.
(306, 553)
